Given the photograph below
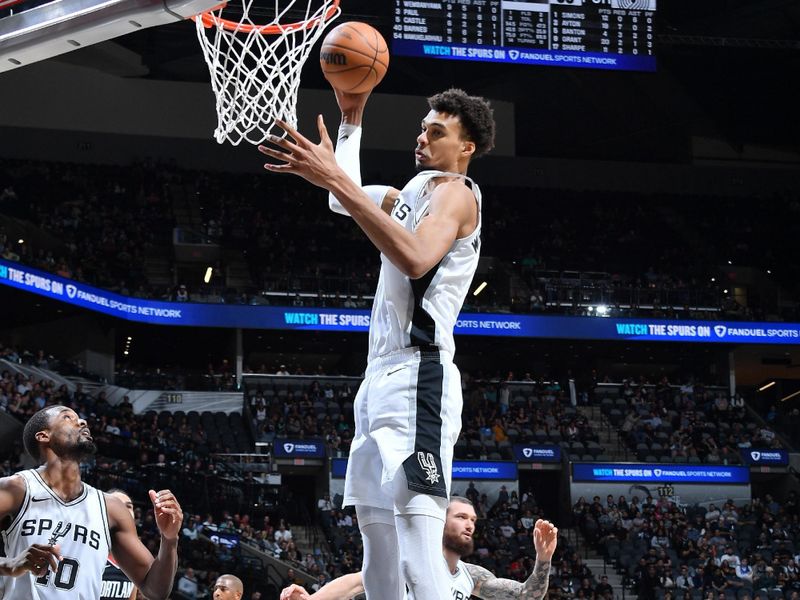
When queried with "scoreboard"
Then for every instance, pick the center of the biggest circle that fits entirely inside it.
(601, 34)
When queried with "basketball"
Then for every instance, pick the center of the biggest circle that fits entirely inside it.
(354, 57)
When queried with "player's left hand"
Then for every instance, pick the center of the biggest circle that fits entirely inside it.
(545, 539)
(316, 163)
(169, 516)
(294, 592)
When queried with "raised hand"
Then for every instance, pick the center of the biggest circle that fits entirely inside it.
(169, 516)
(294, 592)
(316, 163)
(545, 539)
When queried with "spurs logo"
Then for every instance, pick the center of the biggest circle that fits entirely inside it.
(59, 532)
(428, 465)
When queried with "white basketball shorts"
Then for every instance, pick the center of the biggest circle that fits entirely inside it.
(407, 414)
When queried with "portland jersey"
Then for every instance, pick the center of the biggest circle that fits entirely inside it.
(422, 312)
(116, 585)
(79, 528)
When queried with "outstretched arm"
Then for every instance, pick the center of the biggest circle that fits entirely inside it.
(348, 148)
(489, 587)
(452, 212)
(341, 588)
(154, 577)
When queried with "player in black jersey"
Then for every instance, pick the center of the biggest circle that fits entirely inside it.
(116, 585)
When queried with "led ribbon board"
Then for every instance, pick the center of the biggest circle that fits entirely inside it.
(192, 314)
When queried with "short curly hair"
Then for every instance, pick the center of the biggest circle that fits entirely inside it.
(40, 421)
(474, 112)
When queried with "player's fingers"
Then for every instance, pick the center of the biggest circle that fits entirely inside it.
(41, 557)
(298, 137)
(324, 138)
(169, 500)
(50, 560)
(282, 142)
(276, 154)
(284, 168)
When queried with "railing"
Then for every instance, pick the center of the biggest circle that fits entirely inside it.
(581, 293)
(187, 236)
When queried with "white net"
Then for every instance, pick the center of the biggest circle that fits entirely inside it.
(255, 66)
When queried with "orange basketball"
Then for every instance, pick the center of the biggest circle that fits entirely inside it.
(354, 57)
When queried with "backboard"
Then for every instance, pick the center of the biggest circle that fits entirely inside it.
(34, 31)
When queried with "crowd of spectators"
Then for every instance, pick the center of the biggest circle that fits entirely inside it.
(690, 422)
(582, 249)
(496, 415)
(745, 549)
(724, 551)
(98, 221)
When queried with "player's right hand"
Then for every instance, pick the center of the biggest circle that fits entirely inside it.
(294, 592)
(36, 558)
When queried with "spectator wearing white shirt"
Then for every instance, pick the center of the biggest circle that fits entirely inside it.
(684, 579)
(324, 503)
(744, 571)
(187, 584)
(344, 520)
(730, 557)
(283, 534)
(712, 515)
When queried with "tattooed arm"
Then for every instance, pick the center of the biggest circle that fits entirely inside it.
(489, 587)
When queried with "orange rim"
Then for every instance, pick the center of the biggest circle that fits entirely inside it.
(209, 19)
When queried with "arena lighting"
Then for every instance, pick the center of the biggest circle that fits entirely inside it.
(207, 276)
(724, 291)
(766, 386)
(20, 241)
(713, 279)
(479, 289)
(602, 310)
(790, 396)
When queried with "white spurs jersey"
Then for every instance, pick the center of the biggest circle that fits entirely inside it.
(461, 582)
(422, 312)
(79, 528)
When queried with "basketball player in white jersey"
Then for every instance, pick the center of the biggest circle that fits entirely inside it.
(408, 408)
(58, 531)
(465, 579)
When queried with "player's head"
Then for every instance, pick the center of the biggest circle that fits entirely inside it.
(60, 430)
(458, 127)
(228, 587)
(459, 526)
(123, 497)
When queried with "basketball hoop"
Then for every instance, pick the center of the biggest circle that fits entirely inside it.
(255, 68)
